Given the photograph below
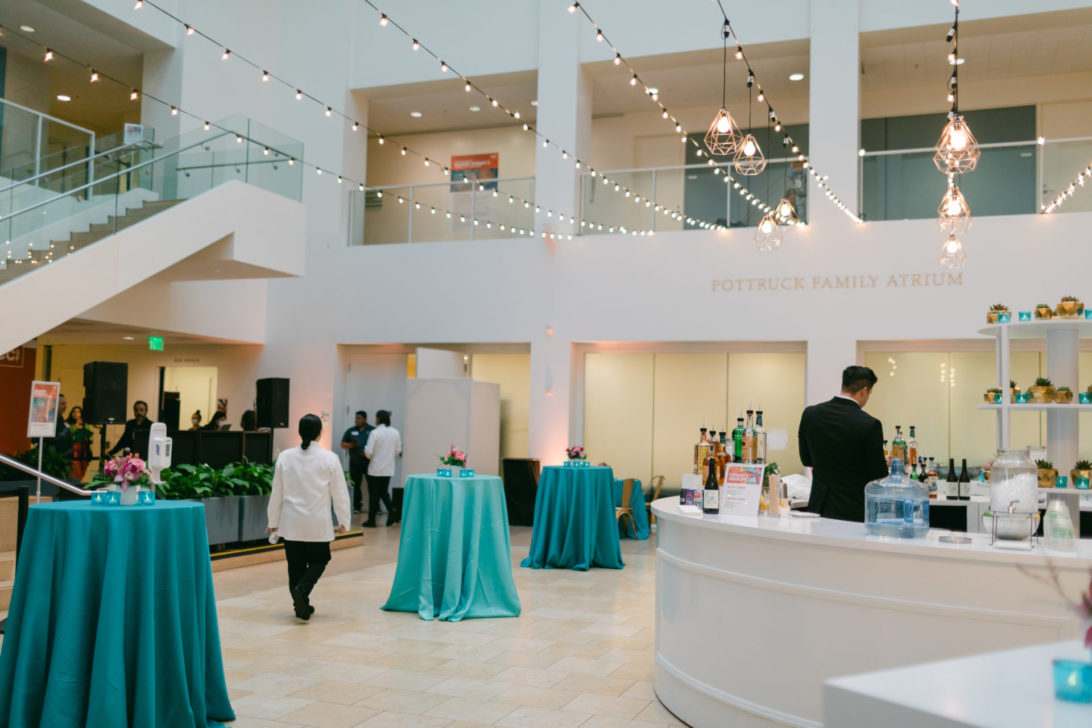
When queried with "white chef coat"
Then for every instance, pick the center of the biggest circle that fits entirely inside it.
(305, 482)
(384, 444)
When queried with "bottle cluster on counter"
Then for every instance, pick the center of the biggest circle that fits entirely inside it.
(955, 486)
(714, 451)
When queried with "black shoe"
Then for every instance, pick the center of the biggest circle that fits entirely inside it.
(312, 611)
(393, 521)
(299, 604)
(368, 524)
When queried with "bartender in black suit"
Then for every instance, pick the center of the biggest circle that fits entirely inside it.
(843, 445)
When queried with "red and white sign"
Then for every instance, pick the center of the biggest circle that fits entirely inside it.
(43, 409)
(742, 489)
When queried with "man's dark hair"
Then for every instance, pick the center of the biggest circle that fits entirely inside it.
(383, 417)
(855, 378)
(140, 401)
(362, 413)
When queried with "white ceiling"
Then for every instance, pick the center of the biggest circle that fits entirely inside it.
(96, 333)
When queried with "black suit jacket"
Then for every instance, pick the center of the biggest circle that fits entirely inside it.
(844, 447)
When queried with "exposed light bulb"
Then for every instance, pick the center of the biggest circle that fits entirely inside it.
(226, 55)
(380, 140)
(265, 76)
(48, 56)
(403, 151)
(443, 67)
(356, 125)
(466, 85)
(139, 5)
(958, 138)
(174, 111)
(299, 95)
(766, 225)
(599, 35)
(134, 95)
(94, 75)
(724, 125)
(573, 7)
(749, 148)
(617, 59)
(383, 20)
(329, 111)
(415, 45)
(209, 126)
(189, 30)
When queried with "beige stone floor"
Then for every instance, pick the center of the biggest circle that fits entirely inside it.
(581, 653)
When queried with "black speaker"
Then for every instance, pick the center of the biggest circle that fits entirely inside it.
(272, 409)
(105, 391)
(169, 410)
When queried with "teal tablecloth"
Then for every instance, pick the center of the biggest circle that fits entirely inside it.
(640, 512)
(113, 621)
(575, 526)
(455, 556)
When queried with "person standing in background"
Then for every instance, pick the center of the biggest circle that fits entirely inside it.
(249, 421)
(128, 438)
(354, 440)
(82, 435)
(195, 421)
(383, 446)
(307, 479)
(843, 445)
(62, 436)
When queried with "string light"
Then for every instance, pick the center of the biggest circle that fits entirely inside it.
(1080, 182)
(48, 55)
(226, 55)
(134, 95)
(383, 20)
(94, 75)
(265, 76)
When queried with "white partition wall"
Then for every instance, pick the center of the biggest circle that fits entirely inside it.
(445, 412)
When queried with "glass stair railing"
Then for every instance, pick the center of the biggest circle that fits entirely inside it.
(137, 181)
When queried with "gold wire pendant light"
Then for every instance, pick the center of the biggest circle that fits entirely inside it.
(957, 150)
(749, 159)
(724, 135)
(953, 214)
(951, 255)
(785, 213)
(768, 234)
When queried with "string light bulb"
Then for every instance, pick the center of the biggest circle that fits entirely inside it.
(226, 55)
(174, 111)
(48, 55)
(134, 95)
(265, 76)
(94, 75)
(380, 139)
(415, 45)
(785, 213)
(189, 30)
(383, 20)
(299, 95)
(599, 35)
(443, 67)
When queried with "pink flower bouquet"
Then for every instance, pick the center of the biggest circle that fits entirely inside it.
(455, 458)
(126, 471)
(576, 452)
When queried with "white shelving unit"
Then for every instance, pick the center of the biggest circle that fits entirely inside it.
(1062, 338)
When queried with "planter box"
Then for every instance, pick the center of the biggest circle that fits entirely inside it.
(253, 517)
(221, 518)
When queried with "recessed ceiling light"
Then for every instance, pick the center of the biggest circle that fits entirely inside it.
(416, 114)
(796, 77)
(475, 108)
(26, 29)
(534, 103)
(956, 61)
(64, 97)
(129, 338)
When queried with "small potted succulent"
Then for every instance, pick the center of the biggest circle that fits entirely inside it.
(1081, 474)
(1013, 391)
(1048, 475)
(1063, 395)
(1042, 392)
(998, 313)
(1044, 312)
(992, 395)
(1070, 307)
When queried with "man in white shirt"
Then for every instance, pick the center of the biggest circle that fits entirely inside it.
(384, 445)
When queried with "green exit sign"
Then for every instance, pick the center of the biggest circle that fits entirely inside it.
(155, 343)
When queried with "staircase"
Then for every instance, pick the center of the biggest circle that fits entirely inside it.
(13, 268)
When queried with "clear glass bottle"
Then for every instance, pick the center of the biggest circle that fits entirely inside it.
(1014, 481)
(898, 446)
(897, 506)
(760, 439)
(912, 447)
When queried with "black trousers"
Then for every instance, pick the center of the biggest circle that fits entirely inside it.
(377, 491)
(356, 476)
(306, 562)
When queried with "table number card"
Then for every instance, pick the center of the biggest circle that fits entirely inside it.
(739, 496)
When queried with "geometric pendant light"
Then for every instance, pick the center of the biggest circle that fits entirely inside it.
(951, 255)
(953, 214)
(724, 136)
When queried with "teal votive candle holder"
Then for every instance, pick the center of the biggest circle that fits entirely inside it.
(1063, 481)
(1084, 398)
(145, 497)
(1080, 482)
(113, 497)
(1021, 398)
(443, 472)
(1025, 315)
(1073, 681)
(98, 498)
(1088, 313)
(997, 398)
(1004, 317)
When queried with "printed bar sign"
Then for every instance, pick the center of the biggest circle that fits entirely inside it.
(43, 409)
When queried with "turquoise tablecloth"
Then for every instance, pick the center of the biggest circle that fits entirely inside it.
(455, 556)
(640, 512)
(575, 526)
(113, 620)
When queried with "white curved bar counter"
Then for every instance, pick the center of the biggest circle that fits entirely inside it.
(753, 614)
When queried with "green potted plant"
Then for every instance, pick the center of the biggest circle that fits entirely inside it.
(993, 394)
(1063, 395)
(1042, 392)
(1048, 475)
(1070, 307)
(253, 483)
(204, 484)
(1013, 390)
(1081, 474)
(1044, 311)
(993, 316)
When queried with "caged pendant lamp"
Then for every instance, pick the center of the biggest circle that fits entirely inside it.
(724, 135)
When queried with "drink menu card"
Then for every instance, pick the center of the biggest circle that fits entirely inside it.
(742, 489)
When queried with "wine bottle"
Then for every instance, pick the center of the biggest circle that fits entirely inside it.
(952, 489)
(964, 483)
(711, 496)
(912, 446)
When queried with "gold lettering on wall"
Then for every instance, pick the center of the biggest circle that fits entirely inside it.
(837, 282)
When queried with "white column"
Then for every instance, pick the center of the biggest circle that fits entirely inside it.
(564, 115)
(826, 358)
(548, 430)
(1063, 355)
(834, 106)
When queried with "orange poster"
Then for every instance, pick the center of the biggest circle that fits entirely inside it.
(474, 168)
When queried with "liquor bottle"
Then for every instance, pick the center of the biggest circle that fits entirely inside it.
(749, 438)
(760, 439)
(913, 471)
(711, 497)
(886, 454)
(699, 461)
(964, 483)
(953, 487)
(898, 445)
(723, 458)
(912, 446)
(737, 440)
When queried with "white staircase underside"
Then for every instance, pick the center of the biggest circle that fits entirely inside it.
(233, 231)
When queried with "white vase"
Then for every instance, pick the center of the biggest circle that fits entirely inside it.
(129, 496)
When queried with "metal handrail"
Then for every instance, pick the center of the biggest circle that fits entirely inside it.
(668, 168)
(989, 145)
(69, 124)
(469, 181)
(78, 163)
(13, 463)
(127, 170)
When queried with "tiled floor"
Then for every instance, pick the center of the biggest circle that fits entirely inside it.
(581, 653)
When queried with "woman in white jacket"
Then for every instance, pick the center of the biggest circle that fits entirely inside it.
(306, 480)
